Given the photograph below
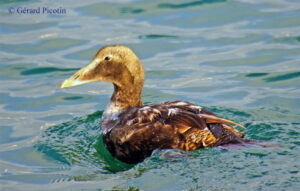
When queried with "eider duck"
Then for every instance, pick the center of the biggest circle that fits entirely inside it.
(132, 131)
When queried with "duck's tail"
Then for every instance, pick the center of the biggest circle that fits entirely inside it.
(215, 119)
(223, 130)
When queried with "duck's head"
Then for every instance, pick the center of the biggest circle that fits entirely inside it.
(115, 63)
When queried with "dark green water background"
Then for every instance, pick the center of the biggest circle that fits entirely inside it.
(241, 59)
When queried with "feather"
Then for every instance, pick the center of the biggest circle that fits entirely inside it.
(215, 119)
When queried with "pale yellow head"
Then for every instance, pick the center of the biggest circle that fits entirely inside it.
(117, 64)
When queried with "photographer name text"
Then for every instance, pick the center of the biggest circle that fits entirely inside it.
(36, 11)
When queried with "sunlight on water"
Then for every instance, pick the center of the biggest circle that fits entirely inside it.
(240, 59)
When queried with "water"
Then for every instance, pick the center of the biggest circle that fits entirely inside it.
(240, 59)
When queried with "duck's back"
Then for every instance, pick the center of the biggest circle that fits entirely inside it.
(134, 133)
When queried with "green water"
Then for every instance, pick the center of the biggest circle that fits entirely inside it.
(240, 59)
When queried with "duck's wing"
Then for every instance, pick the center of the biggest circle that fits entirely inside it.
(178, 125)
(181, 116)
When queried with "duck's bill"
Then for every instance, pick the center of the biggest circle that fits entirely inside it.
(75, 80)
(70, 83)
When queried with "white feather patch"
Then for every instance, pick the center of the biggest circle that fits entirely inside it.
(172, 111)
(156, 111)
(112, 112)
(195, 107)
(181, 103)
(130, 122)
(145, 108)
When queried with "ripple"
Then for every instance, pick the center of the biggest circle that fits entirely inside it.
(78, 142)
(239, 59)
(67, 141)
(163, 74)
(18, 28)
(13, 71)
(189, 4)
(44, 103)
(43, 70)
(5, 135)
(18, 71)
(271, 79)
(45, 46)
(253, 75)
(281, 77)
(131, 10)
(156, 36)
(86, 54)
(290, 40)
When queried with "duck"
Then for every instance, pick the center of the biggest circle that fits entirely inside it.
(131, 130)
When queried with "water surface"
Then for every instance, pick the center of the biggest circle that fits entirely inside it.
(238, 58)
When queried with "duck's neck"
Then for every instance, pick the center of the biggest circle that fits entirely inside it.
(124, 97)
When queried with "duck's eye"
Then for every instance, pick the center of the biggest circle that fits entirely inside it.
(107, 58)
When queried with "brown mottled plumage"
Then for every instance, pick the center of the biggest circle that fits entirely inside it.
(132, 131)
